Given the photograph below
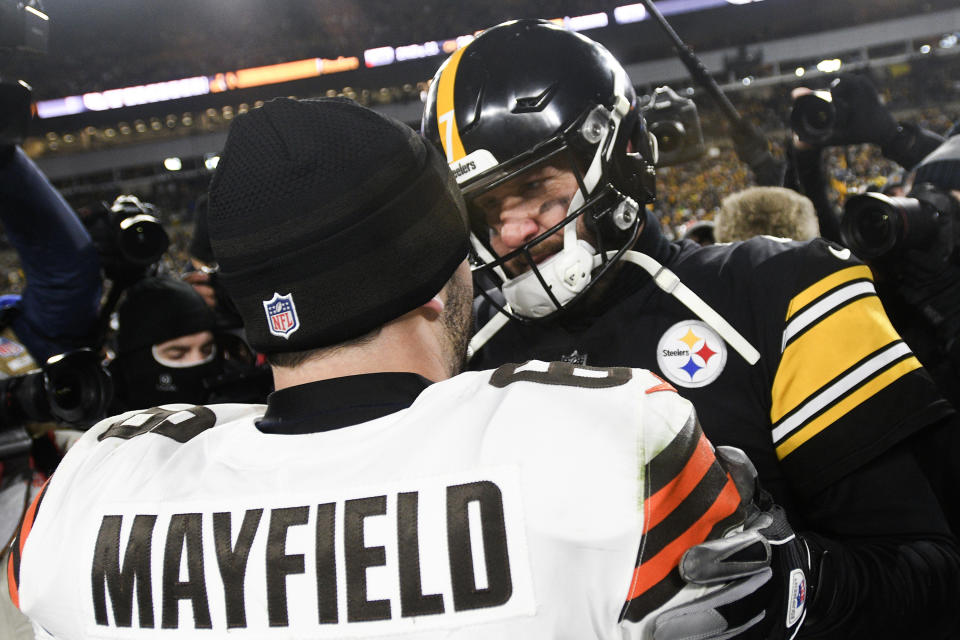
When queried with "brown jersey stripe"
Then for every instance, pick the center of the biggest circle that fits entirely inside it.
(669, 463)
(653, 598)
(657, 567)
(666, 500)
(659, 594)
(685, 514)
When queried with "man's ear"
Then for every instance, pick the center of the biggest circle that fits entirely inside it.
(435, 304)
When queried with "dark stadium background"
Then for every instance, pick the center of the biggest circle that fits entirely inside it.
(753, 49)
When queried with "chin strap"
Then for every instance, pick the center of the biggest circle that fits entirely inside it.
(670, 283)
(487, 331)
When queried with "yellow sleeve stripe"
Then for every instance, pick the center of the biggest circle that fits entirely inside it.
(846, 405)
(446, 115)
(827, 348)
(819, 288)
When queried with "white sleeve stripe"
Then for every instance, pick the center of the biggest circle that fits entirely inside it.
(820, 401)
(823, 308)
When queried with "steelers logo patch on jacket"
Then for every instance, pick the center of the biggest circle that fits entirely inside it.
(691, 354)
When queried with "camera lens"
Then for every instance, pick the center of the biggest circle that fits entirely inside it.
(874, 224)
(78, 388)
(813, 117)
(66, 391)
(142, 239)
(875, 228)
(670, 135)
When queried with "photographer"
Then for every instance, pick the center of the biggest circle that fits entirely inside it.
(850, 112)
(58, 309)
(56, 313)
(912, 243)
(165, 346)
(169, 350)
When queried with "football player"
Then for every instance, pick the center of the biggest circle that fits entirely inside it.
(375, 495)
(783, 347)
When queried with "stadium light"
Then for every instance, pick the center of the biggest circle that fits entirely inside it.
(799, 72)
(582, 23)
(925, 49)
(630, 13)
(211, 162)
(172, 164)
(831, 65)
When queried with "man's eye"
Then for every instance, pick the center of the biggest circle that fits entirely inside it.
(533, 185)
(487, 204)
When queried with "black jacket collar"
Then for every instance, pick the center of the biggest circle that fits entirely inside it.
(339, 402)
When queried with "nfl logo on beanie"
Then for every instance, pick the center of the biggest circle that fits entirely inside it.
(281, 315)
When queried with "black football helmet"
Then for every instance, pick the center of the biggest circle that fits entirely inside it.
(528, 91)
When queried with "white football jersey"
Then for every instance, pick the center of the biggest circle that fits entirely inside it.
(534, 501)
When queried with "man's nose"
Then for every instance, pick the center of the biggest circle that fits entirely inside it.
(515, 232)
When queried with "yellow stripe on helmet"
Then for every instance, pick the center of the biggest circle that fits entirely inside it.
(446, 115)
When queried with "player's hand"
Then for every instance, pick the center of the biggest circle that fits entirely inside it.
(761, 572)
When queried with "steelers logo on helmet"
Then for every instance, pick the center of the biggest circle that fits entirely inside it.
(691, 354)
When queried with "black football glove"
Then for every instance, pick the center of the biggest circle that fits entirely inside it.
(765, 571)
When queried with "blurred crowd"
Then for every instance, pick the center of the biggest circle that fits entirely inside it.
(186, 39)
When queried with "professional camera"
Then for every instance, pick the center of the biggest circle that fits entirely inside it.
(875, 225)
(140, 236)
(15, 112)
(23, 28)
(128, 236)
(815, 116)
(675, 123)
(71, 388)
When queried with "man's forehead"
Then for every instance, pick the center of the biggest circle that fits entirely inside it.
(189, 340)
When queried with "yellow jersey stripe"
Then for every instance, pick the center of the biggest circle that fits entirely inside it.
(832, 281)
(839, 388)
(446, 115)
(811, 314)
(817, 356)
(846, 405)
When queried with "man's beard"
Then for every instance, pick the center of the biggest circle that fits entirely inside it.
(457, 321)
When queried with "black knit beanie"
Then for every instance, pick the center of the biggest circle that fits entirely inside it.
(942, 167)
(159, 309)
(328, 220)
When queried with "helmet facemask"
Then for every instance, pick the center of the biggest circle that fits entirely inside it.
(595, 150)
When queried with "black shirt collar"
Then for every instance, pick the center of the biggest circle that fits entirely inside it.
(339, 402)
